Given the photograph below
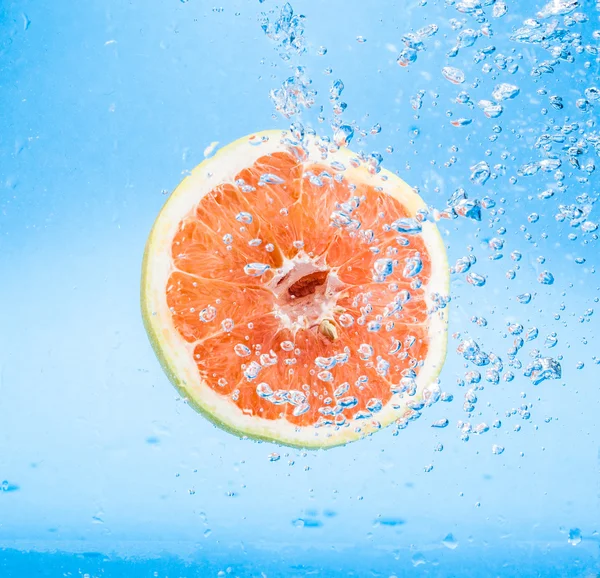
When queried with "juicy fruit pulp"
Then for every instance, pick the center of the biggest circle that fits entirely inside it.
(297, 296)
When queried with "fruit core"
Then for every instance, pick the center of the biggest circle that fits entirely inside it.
(306, 292)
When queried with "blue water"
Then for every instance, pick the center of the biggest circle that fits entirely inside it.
(105, 106)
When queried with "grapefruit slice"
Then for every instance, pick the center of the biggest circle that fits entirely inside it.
(295, 293)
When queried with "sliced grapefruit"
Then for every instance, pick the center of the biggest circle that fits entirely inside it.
(295, 293)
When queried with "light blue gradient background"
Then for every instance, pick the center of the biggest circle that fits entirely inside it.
(103, 105)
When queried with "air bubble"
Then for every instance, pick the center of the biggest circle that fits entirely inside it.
(256, 269)
(244, 217)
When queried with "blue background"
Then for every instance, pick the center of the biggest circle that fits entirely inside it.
(104, 106)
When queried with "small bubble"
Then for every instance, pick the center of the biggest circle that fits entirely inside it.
(346, 320)
(256, 269)
(252, 370)
(574, 536)
(505, 91)
(450, 542)
(208, 314)
(475, 279)
(244, 217)
(287, 345)
(454, 75)
(241, 350)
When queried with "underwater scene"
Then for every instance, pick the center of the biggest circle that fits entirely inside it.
(300, 288)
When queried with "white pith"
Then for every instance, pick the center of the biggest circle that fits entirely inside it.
(176, 354)
(296, 314)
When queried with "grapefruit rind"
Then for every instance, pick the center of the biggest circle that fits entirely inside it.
(176, 355)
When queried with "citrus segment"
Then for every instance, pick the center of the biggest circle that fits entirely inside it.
(294, 294)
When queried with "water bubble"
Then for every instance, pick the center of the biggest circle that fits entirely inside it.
(382, 268)
(341, 389)
(227, 325)
(208, 314)
(490, 109)
(346, 320)
(252, 370)
(244, 217)
(279, 397)
(343, 135)
(322, 51)
(407, 226)
(228, 239)
(6, 486)
(286, 345)
(524, 298)
(475, 279)
(480, 173)
(295, 92)
(263, 390)
(417, 101)
(325, 376)
(256, 269)
(472, 377)
(531, 334)
(407, 56)
(468, 208)
(574, 536)
(499, 9)
(274, 457)
(301, 409)
(558, 8)
(454, 75)
(325, 362)
(546, 278)
(467, 37)
(269, 247)
(337, 87)
(440, 423)
(365, 351)
(542, 369)
(505, 91)
(287, 30)
(497, 450)
(348, 402)
(413, 266)
(267, 359)
(450, 542)
(374, 405)
(462, 265)
(461, 122)
(241, 350)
